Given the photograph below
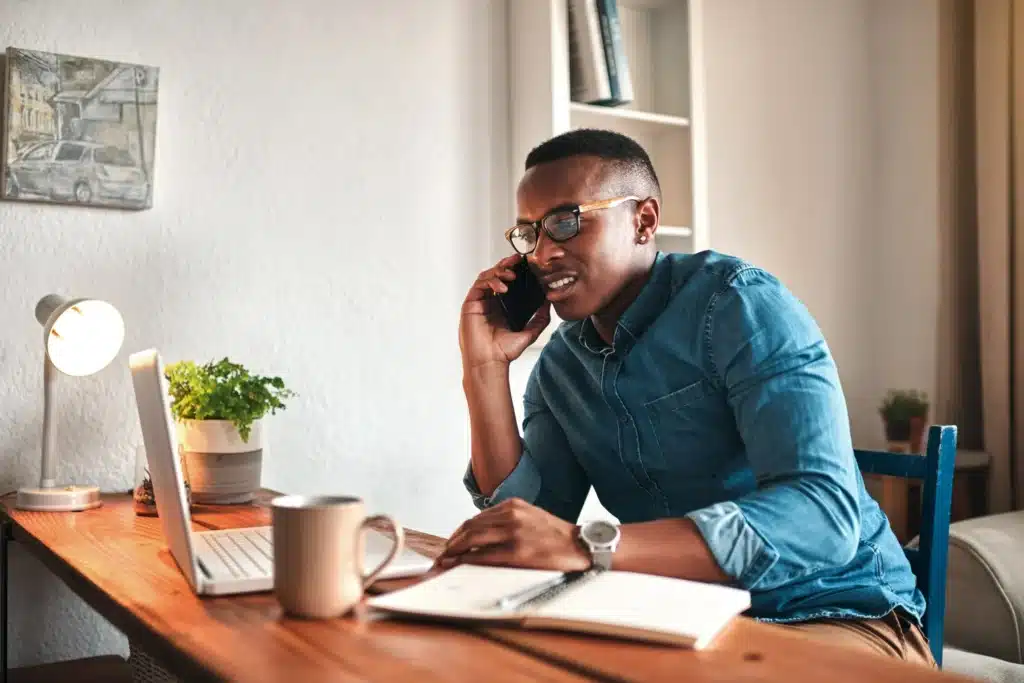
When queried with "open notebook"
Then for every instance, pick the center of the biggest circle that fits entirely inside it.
(611, 603)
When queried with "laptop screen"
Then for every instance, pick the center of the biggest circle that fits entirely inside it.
(151, 399)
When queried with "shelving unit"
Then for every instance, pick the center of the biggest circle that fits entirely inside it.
(663, 46)
(674, 231)
(642, 120)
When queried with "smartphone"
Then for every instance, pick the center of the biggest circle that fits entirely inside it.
(524, 296)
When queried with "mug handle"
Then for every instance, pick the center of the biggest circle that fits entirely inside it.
(399, 543)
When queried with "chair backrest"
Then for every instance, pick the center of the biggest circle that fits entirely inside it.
(928, 561)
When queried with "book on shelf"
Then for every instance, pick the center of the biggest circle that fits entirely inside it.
(598, 69)
(588, 75)
(627, 605)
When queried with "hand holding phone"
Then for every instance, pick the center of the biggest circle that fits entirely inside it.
(503, 313)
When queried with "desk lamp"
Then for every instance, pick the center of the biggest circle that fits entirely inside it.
(80, 337)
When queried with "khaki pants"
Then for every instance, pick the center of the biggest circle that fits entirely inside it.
(893, 635)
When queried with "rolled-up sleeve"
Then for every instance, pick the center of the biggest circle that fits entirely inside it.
(548, 474)
(782, 384)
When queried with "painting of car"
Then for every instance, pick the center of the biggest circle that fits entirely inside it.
(78, 130)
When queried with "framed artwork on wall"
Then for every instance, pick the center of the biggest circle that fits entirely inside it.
(78, 130)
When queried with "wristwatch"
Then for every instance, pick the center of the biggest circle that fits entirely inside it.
(601, 538)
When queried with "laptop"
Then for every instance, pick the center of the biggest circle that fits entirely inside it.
(220, 562)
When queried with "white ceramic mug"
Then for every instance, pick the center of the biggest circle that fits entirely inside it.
(319, 551)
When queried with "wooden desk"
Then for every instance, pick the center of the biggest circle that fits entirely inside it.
(119, 564)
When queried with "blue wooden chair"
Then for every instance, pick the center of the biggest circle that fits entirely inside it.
(928, 559)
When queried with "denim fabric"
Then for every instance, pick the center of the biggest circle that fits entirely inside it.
(718, 400)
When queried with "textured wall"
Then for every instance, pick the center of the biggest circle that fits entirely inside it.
(325, 174)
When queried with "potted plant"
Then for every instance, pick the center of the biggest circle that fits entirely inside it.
(145, 500)
(905, 413)
(143, 497)
(219, 410)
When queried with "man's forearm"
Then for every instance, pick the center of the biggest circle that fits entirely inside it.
(668, 547)
(496, 444)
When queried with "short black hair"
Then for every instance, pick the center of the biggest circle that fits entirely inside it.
(620, 150)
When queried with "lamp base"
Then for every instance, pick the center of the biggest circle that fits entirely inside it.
(59, 499)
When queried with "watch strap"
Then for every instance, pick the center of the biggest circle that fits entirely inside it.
(602, 558)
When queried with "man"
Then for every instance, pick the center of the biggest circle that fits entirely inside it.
(693, 392)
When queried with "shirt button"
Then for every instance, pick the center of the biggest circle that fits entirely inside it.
(624, 419)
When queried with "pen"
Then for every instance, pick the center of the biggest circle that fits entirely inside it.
(526, 595)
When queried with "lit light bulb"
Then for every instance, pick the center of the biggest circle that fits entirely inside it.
(85, 338)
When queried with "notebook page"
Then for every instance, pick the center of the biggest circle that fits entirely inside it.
(463, 591)
(656, 603)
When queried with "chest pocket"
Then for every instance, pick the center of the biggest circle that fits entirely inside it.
(685, 423)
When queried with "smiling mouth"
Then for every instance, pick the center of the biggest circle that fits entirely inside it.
(561, 283)
(560, 289)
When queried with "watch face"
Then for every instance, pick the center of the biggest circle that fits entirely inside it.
(600, 533)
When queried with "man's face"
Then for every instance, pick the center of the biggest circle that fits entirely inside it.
(597, 261)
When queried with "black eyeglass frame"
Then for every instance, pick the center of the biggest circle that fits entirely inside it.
(575, 211)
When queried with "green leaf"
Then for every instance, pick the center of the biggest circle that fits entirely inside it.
(224, 390)
(900, 405)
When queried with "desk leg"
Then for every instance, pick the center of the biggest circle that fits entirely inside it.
(5, 538)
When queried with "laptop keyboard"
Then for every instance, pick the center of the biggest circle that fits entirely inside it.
(236, 553)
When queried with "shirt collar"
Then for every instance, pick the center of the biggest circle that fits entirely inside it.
(647, 306)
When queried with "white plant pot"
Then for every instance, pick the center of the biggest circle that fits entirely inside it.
(222, 469)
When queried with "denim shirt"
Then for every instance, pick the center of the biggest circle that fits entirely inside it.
(719, 401)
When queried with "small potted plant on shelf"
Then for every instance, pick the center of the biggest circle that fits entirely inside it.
(219, 410)
(905, 413)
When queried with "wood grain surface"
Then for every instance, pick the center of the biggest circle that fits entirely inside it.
(119, 563)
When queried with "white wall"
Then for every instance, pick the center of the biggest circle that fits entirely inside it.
(326, 173)
(905, 190)
(823, 139)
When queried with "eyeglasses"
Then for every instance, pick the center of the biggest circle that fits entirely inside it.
(560, 225)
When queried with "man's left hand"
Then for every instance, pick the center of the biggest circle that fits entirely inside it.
(516, 534)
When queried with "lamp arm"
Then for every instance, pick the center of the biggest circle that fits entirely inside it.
(48, 471)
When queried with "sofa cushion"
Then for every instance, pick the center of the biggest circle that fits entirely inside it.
(988, 669)
(985, 586)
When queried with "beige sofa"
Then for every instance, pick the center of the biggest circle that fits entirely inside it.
(984, 631)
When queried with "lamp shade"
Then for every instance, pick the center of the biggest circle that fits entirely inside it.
(82, 336)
